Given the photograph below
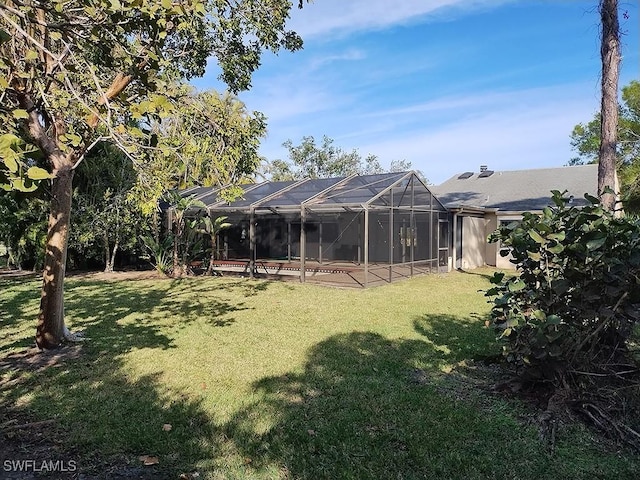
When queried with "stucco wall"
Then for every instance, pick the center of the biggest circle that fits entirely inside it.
(473, 242)
(492, 253)
(505, 262)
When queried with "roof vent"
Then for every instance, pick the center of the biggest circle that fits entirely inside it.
(483, 168)
(485, 173)
(465, 175)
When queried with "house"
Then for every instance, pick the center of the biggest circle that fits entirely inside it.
(479, 202)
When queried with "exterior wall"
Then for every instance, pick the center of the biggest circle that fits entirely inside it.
(476, 250)
(492, 256)
(473, 242)
(505, 262)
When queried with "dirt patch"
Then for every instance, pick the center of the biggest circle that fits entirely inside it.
(90, 275)
(32, 448)
(34, 359)
(121, 275)
(6, 273)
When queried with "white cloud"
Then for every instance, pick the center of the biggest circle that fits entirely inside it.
(508, 130)
(531, 132)
(352, 54)
(323, 17)
(286, 102)
(303, 89)
(414, 103)
(470, 102)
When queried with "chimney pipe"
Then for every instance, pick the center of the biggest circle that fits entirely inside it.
(483, 168)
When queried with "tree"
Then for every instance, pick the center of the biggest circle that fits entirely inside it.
(74, 73)
(211, 229)
(106, 218)
(400, 166)
(585, 140)
(210, 140)
(179, 210)
(217, 140)
(321, 161)
(19, 168)
(309, 160)
(24, 226)
(280, 171)
(610, 56)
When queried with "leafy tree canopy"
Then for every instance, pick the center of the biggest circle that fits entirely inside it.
(210, 140)
(585, 140)
(310, 160)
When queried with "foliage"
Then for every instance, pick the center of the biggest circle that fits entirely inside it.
(64, 65)
(24, 227)
(159, 252)
(309, 160)
(585, 140)
(183, 229)
(215, 140)
(209, 140)
(211, 229)
(573, 304)
(75, 73)
(19, 170)
(106, 219)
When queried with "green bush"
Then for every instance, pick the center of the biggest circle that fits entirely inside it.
(158, 252)
(574, 301)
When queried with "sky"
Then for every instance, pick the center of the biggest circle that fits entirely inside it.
(448, 85)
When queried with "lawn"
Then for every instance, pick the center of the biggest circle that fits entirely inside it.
(239, 378)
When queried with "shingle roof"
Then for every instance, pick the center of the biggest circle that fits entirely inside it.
(517, 190)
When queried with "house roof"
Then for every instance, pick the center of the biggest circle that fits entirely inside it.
(517, 190)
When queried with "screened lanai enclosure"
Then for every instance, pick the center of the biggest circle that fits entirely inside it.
(352, 231)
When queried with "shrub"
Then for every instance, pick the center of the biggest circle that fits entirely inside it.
(159, 253)
(574, 302)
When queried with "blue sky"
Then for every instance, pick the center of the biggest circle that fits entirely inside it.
(446, 84)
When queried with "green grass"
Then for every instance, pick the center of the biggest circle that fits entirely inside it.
(273, 380)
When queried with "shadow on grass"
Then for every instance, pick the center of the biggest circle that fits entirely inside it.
(16, 298)
(101, 419)
(184, 300)
(357, 412)
(113, 313)
(458, 339)
(478, 273)
(97, 412)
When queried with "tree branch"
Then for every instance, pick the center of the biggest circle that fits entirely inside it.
(117, 87)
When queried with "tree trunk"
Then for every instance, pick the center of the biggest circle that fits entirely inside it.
(50, 329)
(11, 260)
(212, 258)
(179, 267)
(176, 258)
(610, 56)
(107, 253)
(113, 256)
